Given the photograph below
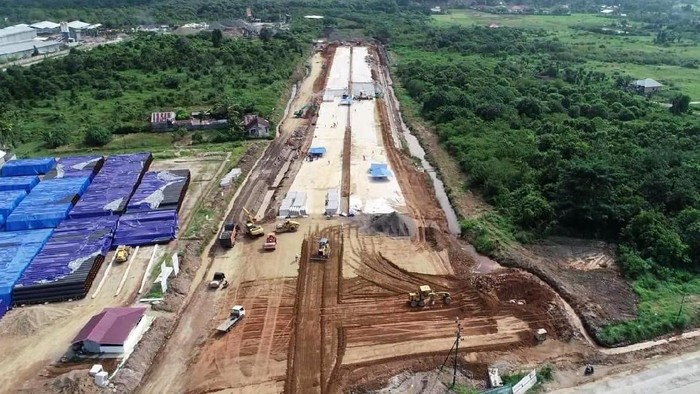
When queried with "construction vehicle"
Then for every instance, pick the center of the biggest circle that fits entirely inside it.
(123, 253)
(270, 242)
(218, 280)
(363, 96)
(324, 250)
(237, 314)
(287, 226)
(589, 370)
(426, 295)
(228, 235)
(252, 228)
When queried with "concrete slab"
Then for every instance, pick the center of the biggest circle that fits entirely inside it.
(339, 75)
(361, 71)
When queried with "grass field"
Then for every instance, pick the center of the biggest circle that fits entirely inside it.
(571, 29)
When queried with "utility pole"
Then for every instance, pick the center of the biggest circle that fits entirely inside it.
(458, 338)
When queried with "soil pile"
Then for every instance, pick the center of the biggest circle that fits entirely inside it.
(26, 321)
(391, 224)
(75, 382)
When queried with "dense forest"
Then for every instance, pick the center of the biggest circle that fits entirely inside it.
(117, 86)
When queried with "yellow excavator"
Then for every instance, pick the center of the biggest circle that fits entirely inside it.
(253, 229)
(123, 253)
(426, 295)
(287, 226)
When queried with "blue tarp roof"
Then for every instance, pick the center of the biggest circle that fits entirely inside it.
(33, 166)
(379, 170)
(319, 150)
(17, 249)
(47, 205)
(146, 228)
(25, 183)
(9, 199)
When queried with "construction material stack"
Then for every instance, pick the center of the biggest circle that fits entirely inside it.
(146, 228)
(112, 187)
(47, 204)
(160, 190)
(9, 200)
(293, 205)
(34, 166)
(332, 202)
(76, 166)
(66, 266)
(17, 249)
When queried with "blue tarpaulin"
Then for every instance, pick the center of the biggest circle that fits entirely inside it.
(317, 151)
(76, 166)
(17, 249)
(379, 170)
(9, 200)
(146, 228)
(33, 166)
(112, 187)
(25, 183)
(47, 204)
(160, 190)
(68, 263)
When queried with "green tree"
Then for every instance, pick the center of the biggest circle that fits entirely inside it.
(680, 103)
(58, 136)
(216, 38)
(688, 222)
(655, 237)
(97, 136)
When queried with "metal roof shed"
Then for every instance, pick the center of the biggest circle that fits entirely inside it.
(317, 151)
(379, 170)
(114, 330)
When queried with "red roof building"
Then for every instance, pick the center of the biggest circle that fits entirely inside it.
(115, 330)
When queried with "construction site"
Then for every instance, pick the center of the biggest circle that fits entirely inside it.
(332, 270)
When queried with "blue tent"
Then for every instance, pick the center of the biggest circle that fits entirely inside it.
(317, 151)
(379, 170)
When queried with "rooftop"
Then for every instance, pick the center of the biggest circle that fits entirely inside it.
(111, 327)
(78, 25)
(647, 83)
(45, 25)
(25, 46)
(15, 30)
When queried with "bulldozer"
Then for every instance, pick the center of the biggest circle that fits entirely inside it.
(252, 228)
(426, 295)
(287, 226)
(324, 250)
(123, 253)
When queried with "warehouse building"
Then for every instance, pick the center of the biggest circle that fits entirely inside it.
(46, 27)
(20, 41)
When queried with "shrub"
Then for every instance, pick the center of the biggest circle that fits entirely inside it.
(97, 136)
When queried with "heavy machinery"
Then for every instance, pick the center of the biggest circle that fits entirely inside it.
(426, 295)
(252, 228)
(227, 237)
(218, 280)
(287, 226)
(324, 250)
(123, 253)
(270, 242)
(237, 314)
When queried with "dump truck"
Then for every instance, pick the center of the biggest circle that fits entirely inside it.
(237, 314)
(270, 242)
(227, 237)
(252, 228)
(218, 280)
(287, 226)
(426, 295)
(123, 253)
(324, 250)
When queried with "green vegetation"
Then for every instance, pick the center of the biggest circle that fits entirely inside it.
(544, 375)
(560, 147)
(118, 86)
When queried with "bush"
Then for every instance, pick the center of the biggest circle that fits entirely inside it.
(56, 137)
(97, 136)
(198, 138)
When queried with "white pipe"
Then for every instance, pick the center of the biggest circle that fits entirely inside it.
(126, 272)
(104, 277)
(148, 269)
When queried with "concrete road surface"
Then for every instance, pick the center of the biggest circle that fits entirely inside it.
(678, 375)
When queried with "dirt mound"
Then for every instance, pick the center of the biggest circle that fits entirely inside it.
(75, 382)
(391, 224)
(26, 321)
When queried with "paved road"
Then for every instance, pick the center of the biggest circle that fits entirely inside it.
(678, 375)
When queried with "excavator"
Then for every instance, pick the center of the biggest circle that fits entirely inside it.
(252, 228)
(324, 250)
(426, 295)
(287, 226)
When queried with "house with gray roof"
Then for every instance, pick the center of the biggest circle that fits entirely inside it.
(647, 85)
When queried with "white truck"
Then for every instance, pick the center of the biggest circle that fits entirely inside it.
(237, 314)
